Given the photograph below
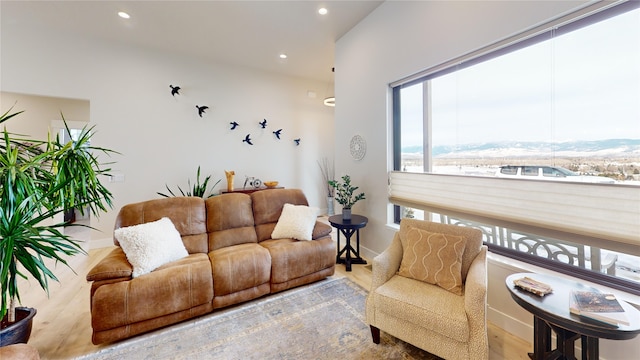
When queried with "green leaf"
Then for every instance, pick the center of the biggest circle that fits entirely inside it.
(198, 189)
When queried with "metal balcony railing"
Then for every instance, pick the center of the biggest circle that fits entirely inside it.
(588, 257)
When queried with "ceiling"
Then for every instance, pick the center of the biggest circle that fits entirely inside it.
(244, 33)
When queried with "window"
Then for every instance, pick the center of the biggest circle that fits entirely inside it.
(559, 106)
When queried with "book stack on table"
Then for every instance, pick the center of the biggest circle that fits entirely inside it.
(600, 307)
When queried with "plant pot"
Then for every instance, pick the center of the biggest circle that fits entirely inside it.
(346, 214)
(19, 331)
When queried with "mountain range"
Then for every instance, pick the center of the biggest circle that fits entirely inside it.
(593, 148)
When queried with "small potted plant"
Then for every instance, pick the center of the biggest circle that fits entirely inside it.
(345, 195)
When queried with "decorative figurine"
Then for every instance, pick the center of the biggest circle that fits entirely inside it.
(230, 175)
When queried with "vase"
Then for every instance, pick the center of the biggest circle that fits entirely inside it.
(330, 209)
(346, 214)
(230, 175)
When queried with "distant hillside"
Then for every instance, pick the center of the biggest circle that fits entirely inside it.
(597, 148)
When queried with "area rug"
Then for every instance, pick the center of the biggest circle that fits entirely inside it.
(324, 320)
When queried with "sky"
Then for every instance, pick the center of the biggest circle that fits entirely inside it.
(584, 85)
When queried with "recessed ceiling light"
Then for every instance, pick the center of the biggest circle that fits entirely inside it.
(323, 11)
(283, 56)
(124, 15)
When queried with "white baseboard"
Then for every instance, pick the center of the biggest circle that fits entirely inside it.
(367, 253)
(510, 324)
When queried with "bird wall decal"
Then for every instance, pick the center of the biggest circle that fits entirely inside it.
(277, 133)
(201, 109)
(175, 90)
(234, 125)
(297, 141)
(263, 123)
(247, 139)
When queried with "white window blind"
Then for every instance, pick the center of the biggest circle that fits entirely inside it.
(601, 215)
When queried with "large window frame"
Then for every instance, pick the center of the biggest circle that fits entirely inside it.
(557, 27)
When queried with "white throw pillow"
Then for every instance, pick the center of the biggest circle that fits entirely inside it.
(150, 245)
(295, 222)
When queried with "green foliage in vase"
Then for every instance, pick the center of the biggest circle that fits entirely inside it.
(40, 179)
(345, 192)
(198, 189)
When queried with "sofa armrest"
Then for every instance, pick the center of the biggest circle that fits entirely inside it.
(321, 230)
(475, 293)
(387, 263)
(112, 266)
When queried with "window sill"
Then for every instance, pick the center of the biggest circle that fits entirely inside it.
(519, 266)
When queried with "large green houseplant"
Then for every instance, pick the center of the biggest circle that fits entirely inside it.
(40, 179)
(345, 195)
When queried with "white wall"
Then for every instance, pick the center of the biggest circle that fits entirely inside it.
(39, 113)
(161, 139)
(401, 38)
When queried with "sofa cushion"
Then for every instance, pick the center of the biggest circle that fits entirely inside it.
(150, 245)
(186, 213)
(295, 222)
(239, 267)
(291, 259)
(181, 285)
(434, 258)
(267, 207)
(229, 220)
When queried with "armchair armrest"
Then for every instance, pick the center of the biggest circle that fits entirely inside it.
(475, 293)
(475, 303)
(113, 266)
(386, 265)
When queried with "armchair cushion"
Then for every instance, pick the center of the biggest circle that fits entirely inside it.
(434, 258)
(424, 305)
(295, 222)
(150, 245)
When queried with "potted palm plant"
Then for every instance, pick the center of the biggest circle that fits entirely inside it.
(345, 195)
(199, 189)
(40, 179)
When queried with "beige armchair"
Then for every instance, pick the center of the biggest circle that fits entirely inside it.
(428, 316)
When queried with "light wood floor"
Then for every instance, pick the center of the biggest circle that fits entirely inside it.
(62, 327)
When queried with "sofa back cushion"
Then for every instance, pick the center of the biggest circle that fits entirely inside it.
(267, 207)
(229, 220)
(186, 213)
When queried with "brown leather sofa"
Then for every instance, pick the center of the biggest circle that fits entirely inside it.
(232, 259)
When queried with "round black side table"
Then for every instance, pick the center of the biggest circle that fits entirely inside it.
(348, 228)
(551, 312)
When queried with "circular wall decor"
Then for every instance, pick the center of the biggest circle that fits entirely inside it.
(358, 147)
